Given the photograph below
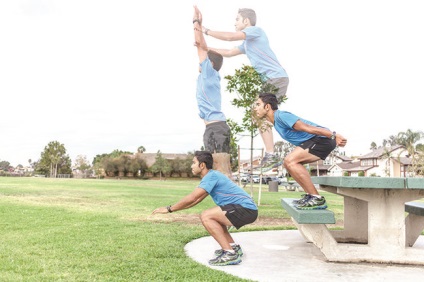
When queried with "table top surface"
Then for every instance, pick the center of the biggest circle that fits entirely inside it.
(370, 182)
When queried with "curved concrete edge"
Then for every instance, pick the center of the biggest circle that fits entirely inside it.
(284, 255)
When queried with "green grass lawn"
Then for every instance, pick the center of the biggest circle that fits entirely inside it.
(103, 230)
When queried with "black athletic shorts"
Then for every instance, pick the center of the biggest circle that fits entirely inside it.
(238, 215)
(319, 146)
(216, 138)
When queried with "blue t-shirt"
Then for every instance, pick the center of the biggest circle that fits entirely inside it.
(283, 124)
(208, 93)
(257, 49)
(224, 191)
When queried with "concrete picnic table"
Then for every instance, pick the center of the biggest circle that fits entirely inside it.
(376, 228)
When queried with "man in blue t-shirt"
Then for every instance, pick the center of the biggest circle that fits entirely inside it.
(217, 135)
(312, 141)
(275, 79)
(234, 208)
(208, 93)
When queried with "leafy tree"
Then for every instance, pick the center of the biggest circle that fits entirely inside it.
(106, 162)
(137, 166)
(235, 130)
(121, 164)
(109, 165)
(373, 146)
(246, 83)
(54, 160)
(161, 165)
(177, 166)
(4, 165)
(141, 149)
(387, 156)
(187, 163)
(117, 153)
(82, 164)
(409, 140)
(98, 158)
(420, 148)
(392, 141)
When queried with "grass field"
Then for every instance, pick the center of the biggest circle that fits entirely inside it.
(103, 230)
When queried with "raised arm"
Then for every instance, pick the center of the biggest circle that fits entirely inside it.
(199, 39)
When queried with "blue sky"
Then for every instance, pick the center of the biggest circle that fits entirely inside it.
(100, 75)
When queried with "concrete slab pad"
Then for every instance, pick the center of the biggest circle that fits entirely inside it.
(284, 255)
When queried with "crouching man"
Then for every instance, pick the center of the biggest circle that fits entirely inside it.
(234, 208)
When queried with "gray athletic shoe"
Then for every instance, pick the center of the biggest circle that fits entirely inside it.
(236, 248)
(313, 203)
(303, 199)
(226, 258)
(270, 161)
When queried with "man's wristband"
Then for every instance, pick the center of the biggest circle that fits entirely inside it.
(169, 209)
(197, 20)
(206, 31)
(333, 136)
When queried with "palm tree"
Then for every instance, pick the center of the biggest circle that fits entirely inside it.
(387, 156)
(409, 139)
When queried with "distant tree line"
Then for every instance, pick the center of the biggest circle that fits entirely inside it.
(126, 164)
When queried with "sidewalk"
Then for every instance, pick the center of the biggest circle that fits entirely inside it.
(284, 255)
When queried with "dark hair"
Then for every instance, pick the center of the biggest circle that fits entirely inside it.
(216, 59)
(269, 98)
(248, 14)
(204, 157)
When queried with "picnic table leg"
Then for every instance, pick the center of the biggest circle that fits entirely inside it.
(355, 222)
(414, 225)
(320, 236)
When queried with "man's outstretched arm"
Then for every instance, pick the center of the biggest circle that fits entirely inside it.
(188, 201)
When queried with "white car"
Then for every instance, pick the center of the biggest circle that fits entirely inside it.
(243, 178)
(255, 178)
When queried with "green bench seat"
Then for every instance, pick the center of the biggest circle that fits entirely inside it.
(307, 216)
(416, 208)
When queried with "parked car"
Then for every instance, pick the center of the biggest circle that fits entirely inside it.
(267, 179)
(256, 178)
(244, 177)
(281, 179)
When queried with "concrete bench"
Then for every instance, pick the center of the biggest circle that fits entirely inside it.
(416, 208)
(307, 216)
(414, 222)
(310, 223)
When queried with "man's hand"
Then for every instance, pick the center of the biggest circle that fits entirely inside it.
(160, 210)
(340, 140)
(197, 15)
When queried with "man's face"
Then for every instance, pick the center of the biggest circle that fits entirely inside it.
(260, 108)
(195, 167)
(240, 23)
